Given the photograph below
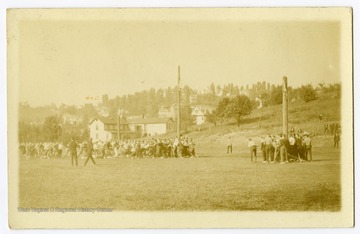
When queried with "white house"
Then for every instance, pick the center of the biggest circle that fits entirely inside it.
(200, 113)
(104, 129)
(151, 126)
(97, 130)
(258, 100)
(168, 111)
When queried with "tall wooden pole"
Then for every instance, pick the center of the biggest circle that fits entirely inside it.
(118, 126)
(285, 106)
(178, 110)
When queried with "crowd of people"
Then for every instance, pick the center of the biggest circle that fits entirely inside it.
(130, 148)
(297, 146)
(332, 128)
(41, 150)
(146, 148)
(282, 149)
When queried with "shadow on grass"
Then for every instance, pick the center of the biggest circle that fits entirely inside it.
(248, 120)
(325, 160)
(254, 120)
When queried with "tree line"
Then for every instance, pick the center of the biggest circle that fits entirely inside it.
(230, 102)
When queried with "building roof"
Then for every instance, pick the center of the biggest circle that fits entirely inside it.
(109, 120)
(201, 109)
(150, 120)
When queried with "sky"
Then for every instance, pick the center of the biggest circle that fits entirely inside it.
(64, 61)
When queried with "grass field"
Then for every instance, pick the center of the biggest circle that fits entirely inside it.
(214, 181)
(206, 183)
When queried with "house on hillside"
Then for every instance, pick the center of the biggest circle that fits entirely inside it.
(166, 111)
(151, 126)
(245, 92)
(200, 113)
(260, 102)
(142, 116)
(106, 128)
(102, 110)
(71, 119)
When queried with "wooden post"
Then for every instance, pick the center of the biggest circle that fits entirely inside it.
(285, 106)
(178, 111)
(118, 126)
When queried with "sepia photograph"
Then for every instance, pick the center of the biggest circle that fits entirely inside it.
(180, 118)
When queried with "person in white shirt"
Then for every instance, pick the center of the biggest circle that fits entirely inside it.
(292, 150)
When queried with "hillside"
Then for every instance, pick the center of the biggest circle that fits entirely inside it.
(35, 114)
(269, 120)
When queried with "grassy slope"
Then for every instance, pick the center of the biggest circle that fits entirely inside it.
(301, 115)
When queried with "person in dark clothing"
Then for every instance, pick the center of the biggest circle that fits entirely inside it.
(282, 148)
(89, 150)
(252, 148)
(308, 148)
(326, 128)
(263, 149)
(229, 146)
(73, 152)
(336, 140)
(298, 147)
(287, 146)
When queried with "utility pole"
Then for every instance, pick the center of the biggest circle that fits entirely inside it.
(178, 110)
(118, 126)
(285, 106)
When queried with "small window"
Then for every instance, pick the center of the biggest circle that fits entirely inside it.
(97, 127)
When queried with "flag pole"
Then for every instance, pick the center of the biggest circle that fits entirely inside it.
(178, 111)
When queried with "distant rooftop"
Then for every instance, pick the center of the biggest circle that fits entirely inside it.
(110, 120)
(150, 120)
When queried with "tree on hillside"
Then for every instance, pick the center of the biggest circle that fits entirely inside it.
(272, 97)
(211, 117)
(321, 85)
(238, 108)
(335, 89)
(275, 95)
(28, 132)
(220, 110)
(307, 93)
(51, 128)
(186, 95)
(212, 91)
(187, 120)
(105, 99)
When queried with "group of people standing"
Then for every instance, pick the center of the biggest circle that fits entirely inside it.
(73, 146)
(282, 149)
(332, 128)
(31, 150)
(135, 148)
